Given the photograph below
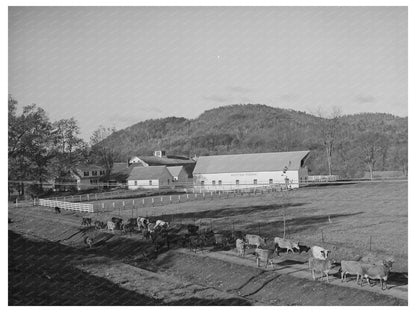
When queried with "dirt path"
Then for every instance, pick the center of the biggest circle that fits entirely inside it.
(174, 277)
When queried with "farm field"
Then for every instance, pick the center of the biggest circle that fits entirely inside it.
(342, 218)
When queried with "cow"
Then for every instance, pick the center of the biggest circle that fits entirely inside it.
(161, 224)
(255, 240)
(132, 221)
(372, 259)
(86, 221)
(319, 253)
(376, 271)
(99, 225)
(192, 229)
(195, 242)
(241, 247)
(264, 255)
(151, 227)
(351, 267)
(57, 210)
(118, 222)
(88, 241)
(142, 223)
(111, 226)
(319, 265)
(127, 227)
(220, 240)
(285, 244)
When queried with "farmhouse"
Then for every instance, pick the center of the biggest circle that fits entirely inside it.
(150, 177)
(87, 176)
(286, 169)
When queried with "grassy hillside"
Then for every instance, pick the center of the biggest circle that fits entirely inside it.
(260, 128)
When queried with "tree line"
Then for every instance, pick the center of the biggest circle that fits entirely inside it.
(40, 150)
(346, 145)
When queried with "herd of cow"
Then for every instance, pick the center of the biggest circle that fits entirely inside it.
(161, 232)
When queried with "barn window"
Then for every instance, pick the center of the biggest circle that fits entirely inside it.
(86, 173)
(270, 181)
(150, 182)
(135, 182)
(219, 182)
(237, 182)
(202, 183)
(102, 172)
(213, 182)
(255, 181)
(94, 173)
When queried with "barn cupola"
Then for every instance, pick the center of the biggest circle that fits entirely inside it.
(160, 154)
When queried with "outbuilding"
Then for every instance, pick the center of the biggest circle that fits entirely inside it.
(179, 174)
(222, 172)
(151, 177)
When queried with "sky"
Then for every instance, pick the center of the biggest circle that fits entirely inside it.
(116, 66)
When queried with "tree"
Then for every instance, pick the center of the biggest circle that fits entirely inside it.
(329, 128)
(372, 146)
(103, 153)
(30, 143)
(70, 148)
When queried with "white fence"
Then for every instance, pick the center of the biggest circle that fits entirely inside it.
(67, 205)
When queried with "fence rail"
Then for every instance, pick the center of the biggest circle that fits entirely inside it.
(67, 205)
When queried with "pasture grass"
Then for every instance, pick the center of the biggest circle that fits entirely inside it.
(346, 216)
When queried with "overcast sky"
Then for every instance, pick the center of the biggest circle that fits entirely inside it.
(120, 65)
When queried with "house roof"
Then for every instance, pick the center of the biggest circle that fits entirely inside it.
(85, 167)
(175, 170)
(147, 173)
(157, 161)
(256, 162)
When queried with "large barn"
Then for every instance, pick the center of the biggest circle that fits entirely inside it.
(251, 170)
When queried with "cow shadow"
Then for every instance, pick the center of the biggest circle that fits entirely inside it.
(396, 279)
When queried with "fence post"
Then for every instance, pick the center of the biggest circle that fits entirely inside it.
(153, 202)
(284, 227)
(161, 199)
(143, 202)
(179, 198)
(370, 242)
(103, 206)
(64, 198)
(170, 199)
(80, 197)
(17, 204)
(88, 197)
(95, 196)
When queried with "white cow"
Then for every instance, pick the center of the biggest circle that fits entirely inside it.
(255, 240)
(319, 253)
(161, 224)
(111, 226)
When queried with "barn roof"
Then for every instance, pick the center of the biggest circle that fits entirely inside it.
(256, 162)
(147, 173)
(175, 170)
(155, 161)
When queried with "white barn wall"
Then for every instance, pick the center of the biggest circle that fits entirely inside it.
(144, 184)
(165, 180)
(246, 179)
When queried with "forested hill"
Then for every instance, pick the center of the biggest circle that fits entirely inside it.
(260, 128)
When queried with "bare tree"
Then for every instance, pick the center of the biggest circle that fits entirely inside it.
(372, 146)
(329, 130)
(104, 153)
